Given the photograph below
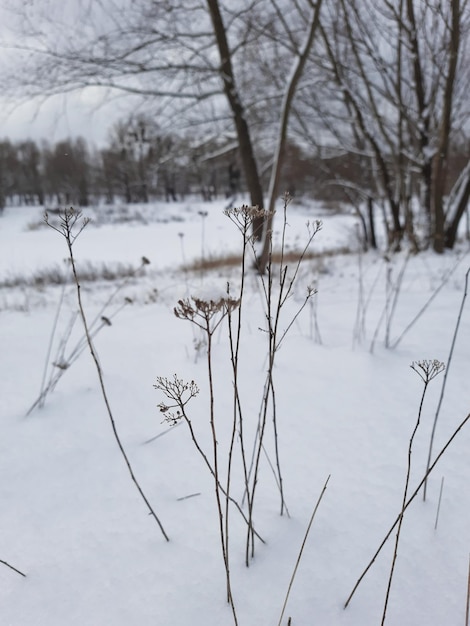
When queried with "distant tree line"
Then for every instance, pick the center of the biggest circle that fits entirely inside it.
(140, 164)
(137, 164)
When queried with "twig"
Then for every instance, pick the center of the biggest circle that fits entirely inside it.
(68, 222)
(191, 495)
(291, 582)
(394, 344)
(467, 612)
(173, 390)
(449, 360)
(13, 568)
(439, 503)
(51, 341)
(396, 293)
(410, 500)
(427, 370)
(165, 432)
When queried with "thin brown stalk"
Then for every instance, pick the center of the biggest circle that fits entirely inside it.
(68, 222)
(50, 344)
(467, 612)
(208, 316)
(446, 373)
(163, 384)
(443, 282)
(427, 370)
(299, 557)
(243, 219)
(13, 568)
(216, 472)
(439, 504)
(409, 501)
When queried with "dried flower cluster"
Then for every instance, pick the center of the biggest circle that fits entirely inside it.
(180, 392)
(244, 216)
(314, 227)
(428, 369)
(191, 309)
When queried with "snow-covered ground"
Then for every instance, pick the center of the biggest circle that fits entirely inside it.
(73, 522)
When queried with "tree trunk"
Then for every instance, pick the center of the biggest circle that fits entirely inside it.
(245, 145)
(440, 158)
(298, 66)
(458, 208)
(370, 214)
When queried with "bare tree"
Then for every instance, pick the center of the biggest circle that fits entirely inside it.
(394, 84)
(180, 56)
(8, 172)
(67, 171)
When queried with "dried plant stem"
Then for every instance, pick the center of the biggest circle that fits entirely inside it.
(409, 501)
(13, 568)
(68, 221)
(208, 316)
(50, 344)
(359, 327)
(443, 282)
(467, 611)
(165, 432)
(427, 378)
(444, 382)
(274, 306)
(395, 289)
(223, 538)
(163, 385)
(57, 374)
(439, 504)
(243, 220)
(98, 323)
(377, 329)
(299, 557)
(106, 401)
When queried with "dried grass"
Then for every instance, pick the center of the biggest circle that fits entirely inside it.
(234, 260)
(58, 275)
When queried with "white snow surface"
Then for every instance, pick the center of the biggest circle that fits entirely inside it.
(71, 518)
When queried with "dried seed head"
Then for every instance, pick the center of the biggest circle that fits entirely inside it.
(428, 369)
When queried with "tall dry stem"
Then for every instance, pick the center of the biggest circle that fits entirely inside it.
(444, 382)
(408, 502)
(208, 315)
(299, 557)
(276, 287)
(12, 568)
(426, 370)
(70, 227)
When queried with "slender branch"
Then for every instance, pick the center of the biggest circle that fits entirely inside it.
(68, 222)
(409, 501)
(428, 302)
(427, 370)
(449, 360)
(467, 611)
(13, 568)
(291, 582)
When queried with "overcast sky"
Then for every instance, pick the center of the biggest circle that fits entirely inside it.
(89, 114)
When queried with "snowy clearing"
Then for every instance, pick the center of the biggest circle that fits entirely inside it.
(71, 518)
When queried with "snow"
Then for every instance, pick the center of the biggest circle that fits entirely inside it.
(71, 518)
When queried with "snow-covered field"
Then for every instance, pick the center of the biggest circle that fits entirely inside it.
(71, 519)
